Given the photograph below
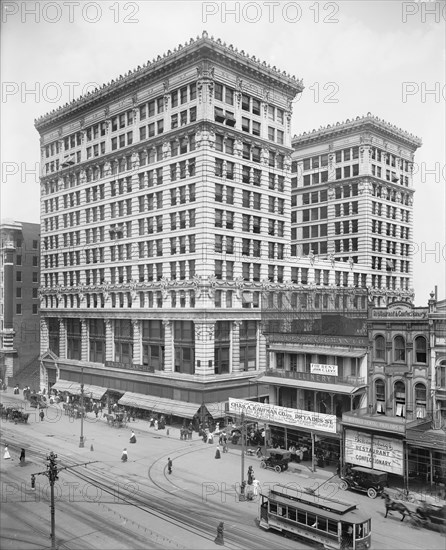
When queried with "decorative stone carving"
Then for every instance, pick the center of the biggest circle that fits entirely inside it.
(135, 160)
(166, 150)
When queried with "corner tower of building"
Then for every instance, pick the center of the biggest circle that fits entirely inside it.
(352, 197)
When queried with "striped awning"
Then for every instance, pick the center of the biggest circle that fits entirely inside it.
(68, 386)
(160, 405)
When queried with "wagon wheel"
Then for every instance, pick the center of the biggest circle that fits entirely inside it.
(371, 492)
(278, 468)
(343, 485)
(263, 464)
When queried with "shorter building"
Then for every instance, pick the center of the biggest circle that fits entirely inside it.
(19, 299)
(317, 361)
(400, 431)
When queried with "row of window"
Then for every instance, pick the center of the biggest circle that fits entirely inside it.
(399, 349)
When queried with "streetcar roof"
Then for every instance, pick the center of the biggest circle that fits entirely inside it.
(350, 516)
(313, 499)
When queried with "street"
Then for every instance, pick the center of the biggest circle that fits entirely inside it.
(137, 504)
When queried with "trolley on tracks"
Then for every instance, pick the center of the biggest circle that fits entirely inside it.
(324, 521)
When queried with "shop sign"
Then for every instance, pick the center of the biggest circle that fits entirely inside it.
(374, 451)
(297, 418)
(328, 370)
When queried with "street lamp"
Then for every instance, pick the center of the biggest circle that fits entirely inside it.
(81, 441)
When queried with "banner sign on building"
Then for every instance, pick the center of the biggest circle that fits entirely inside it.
(328, 370)
(292, 417)
(374, 451)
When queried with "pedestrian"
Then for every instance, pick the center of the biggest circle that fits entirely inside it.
(210, 438)
(42, 415)
(255, 487)
(124, 455)
(217, 452)
(156, 424)
(133, 437)
(95, 410)
(22, 456)
(6, 455)
(250, 475)
(219, 538)
(169, 465)
(225, 443)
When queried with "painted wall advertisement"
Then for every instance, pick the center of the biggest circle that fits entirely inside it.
(292, 417)
(372, 451)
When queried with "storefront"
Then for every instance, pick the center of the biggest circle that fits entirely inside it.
(316, 434)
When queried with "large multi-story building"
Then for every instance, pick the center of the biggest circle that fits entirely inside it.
(352, 197)
(158, 191)
(19, 298)
(165, 206)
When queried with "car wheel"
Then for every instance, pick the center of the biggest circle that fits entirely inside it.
(278, 468)
(371, 492)
(263, 464)
(343, 485)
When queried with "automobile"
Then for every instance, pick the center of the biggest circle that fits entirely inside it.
(366, 480)
(276, 459)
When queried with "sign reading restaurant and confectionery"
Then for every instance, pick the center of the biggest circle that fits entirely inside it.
(372, 451)
(328, 370)
(292, 417)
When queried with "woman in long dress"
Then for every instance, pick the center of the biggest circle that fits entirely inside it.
(6, 456)
(133, 437)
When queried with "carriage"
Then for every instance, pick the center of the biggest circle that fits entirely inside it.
(14, 414)
(117, 419)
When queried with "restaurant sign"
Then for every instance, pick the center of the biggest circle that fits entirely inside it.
(328, 370)
(291, 417)
(371, 451)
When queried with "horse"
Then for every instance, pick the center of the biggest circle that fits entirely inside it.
(395, 506)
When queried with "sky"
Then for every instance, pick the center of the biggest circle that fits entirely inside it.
(383, 57)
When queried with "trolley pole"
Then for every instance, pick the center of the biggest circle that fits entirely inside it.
(81, 441)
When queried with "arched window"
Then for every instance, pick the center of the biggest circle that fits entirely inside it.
(380, 396)
(441, 375)
(399, 391)
(380, 348)
(420, 400)
(420, 349)
(399, 349)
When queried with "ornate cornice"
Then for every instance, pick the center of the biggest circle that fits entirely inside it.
(160, 69)
(367, 122)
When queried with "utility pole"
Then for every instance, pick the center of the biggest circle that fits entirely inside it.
(51, 473)
(81, 441)
(242, 486)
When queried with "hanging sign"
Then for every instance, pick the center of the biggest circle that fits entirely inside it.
(292, 417)
(328, 370)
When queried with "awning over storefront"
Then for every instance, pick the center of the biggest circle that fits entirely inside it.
(217, 409)
(95, 392)
(429, 439)
(320, 350)
(159, 404)
(311, 385)
(68, 386)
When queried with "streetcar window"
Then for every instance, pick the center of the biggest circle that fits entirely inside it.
(363, 530)
(322, 524)
(302, 517)
(273, 507)
(282, 511)
(292, 514)
(311, 520)
(332, 527)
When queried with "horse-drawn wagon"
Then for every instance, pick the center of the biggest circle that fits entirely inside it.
(116, 419)
(14, 414)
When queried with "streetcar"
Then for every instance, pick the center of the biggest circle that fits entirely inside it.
(324, 521)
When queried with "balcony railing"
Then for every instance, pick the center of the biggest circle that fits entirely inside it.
(296, 375)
